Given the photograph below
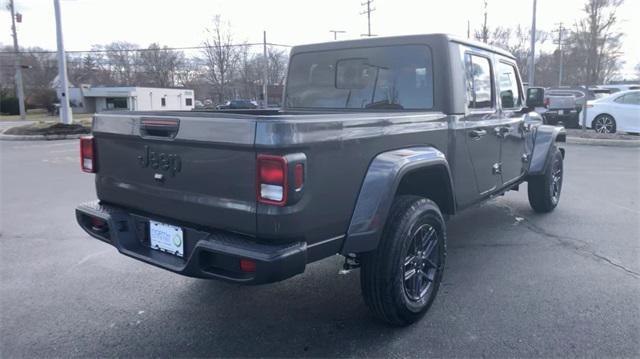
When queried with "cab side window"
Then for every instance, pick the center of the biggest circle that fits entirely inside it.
(510, 90)
(479, 82)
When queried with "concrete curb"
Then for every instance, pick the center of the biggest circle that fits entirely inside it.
(4, 137)
(602, 142)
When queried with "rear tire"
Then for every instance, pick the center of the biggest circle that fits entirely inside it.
(400, 279)
(604, 124)
(544, 190)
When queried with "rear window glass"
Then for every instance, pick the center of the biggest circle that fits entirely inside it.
(391, 77)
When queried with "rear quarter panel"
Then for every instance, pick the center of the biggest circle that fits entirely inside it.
(339, 150)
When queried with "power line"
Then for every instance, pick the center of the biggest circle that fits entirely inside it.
(135, 50)
(368, 12)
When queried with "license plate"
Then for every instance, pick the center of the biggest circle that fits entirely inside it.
(166, 238)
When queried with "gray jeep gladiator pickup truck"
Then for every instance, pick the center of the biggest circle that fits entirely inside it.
(379, 140)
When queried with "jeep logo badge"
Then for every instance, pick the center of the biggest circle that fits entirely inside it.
(167, 162)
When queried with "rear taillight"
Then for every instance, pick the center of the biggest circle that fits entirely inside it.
(546, 102)
(87, 154)
(272, 180)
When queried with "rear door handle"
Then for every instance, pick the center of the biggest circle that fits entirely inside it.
(476, 134)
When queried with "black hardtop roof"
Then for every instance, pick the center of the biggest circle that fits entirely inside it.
(397, 40)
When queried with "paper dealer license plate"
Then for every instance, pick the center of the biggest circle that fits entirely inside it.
(166, 238)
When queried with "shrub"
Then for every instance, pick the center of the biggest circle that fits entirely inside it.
(9, 106)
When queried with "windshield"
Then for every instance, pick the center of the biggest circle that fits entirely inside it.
(391, 77)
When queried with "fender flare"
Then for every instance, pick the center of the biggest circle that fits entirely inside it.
(378, 190)
(545, 138)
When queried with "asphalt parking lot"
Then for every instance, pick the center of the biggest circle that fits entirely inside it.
(516, 283)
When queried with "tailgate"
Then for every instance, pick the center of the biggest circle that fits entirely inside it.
(562, 102)
(199, 170)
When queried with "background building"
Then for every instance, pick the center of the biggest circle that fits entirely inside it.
(90, 99)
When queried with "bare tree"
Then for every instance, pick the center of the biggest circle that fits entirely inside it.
(596, 44)
(277, 65)
(7, 71)
(37, 77)
(189, 73)
(123, 61)
(515, 40)
(159, 66)
(221, 57)
(249, 76)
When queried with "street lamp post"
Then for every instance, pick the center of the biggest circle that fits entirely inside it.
(63, 85)
(265, 72)
(532, 58)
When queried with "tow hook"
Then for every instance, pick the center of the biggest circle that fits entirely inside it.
(351, 262)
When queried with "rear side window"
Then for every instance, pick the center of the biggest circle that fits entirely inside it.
(387, 77)
(510, 92)
(632, 98)
(629, 99)
(479, 82)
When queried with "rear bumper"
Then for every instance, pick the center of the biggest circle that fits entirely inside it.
(214, 255)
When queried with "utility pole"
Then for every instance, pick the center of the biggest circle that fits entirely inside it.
(265, 75)
(368, 12)
(16, 49)
(468, 29)
(63, 85)
(485, 28)
(336, 32)
(532, 58)
(561, 51)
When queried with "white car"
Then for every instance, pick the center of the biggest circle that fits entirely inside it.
(618, 112)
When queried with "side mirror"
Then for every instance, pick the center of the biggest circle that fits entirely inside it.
(535, 97)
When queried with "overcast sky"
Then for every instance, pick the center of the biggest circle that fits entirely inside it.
(182, 23)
